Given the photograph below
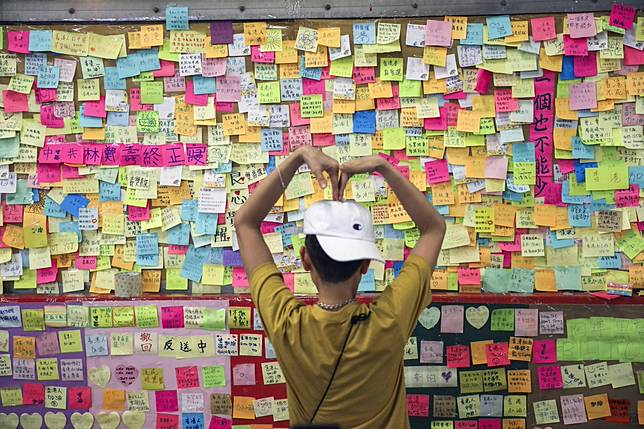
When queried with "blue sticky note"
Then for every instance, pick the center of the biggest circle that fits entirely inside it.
(271, 164)
(52, 209)
(581, 150)
(636, 175)
(390, 232)
(71, 226)
(192, 268)
(364, 33)
(559, 244)
(109, 191)
(579, 215)
(567, 68)
(148, 59)
(147, 244)
(522, 280)
(314, 73)
(127, 66)
(118, 119)
(523, 152)
(206, 223)
(496, 280)
(23, 195)
(498, 26)
(224, 168)
(96, 345)
(192, 421)
(580, 170)
(271, 140)
(111, 80)
(367, 282)
(179, 234)
(148, 260)
(216, 256)
(204, 85)
(176, 18)
(35, 195)
(72, 202)
(33, 62)
(568, 278)
(364, 122)
(610, 262)
(40, 40)
(189, 210)
(398, 265)
(89, 121)
(48, 77)
(474, 35)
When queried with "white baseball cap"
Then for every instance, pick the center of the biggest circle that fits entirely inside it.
(344, 230)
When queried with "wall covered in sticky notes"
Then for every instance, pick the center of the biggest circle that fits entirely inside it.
(197, 363)
(131, 147)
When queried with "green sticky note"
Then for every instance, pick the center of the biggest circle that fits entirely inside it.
(147, 316)
(27, 281)
(148, 121)
(174, 281)
(494, 380)
(342, 67)
(391, 69)
(152, 379)
(470, 381)
(268, 92)
(143, 77)
(214, 320)
(609, 176)
(213, 376)
(409, 88)
(100, 317)
(452, 282)
(311, 106)
(152, 92)
(393, 138)
(503, 319)
(640, 381)
(33, 319)
(123, 317)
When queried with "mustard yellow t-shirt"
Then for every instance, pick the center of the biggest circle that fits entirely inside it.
(368, 390)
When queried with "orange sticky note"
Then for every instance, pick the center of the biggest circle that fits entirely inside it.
(519, 381)
(520, 349)
(24, 347)
(640, 412)
(114, 399)
(597, 406)
(255, 33)
(478, 351)
(243, 408)
(13, 236)
(545, 281)
(329, 37)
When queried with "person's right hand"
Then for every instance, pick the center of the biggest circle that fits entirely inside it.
(367, 164)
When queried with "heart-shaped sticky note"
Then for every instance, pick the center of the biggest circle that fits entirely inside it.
(82, 421)
(31, 421)
(126, 374)
(477, 316)
(8, 421)
(134, 419)
(55, 420)
(108, 420)
(430, 317)
(100, 376)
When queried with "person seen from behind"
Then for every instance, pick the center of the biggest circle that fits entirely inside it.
(342, 359)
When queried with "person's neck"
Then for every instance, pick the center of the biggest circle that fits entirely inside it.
(336, 293)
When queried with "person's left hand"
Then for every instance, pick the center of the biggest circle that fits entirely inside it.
(319, 163)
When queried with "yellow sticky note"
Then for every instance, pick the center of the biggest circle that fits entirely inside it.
(393, 138)
(239, 318)
(33, 320)
(123, 317)
(152, 379)
(47, 369)
(70, 341)
(329, 37)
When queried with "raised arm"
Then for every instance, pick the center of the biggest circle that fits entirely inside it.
(429, 222)
(253, 248)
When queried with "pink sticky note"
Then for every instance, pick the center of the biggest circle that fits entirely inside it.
(497, 354)
(504, 101)
(466, 424)
(437, 171)
(633, 57)
(48, 118)
(172, 317)
(213, 67)
(418, 405)
(166, 70)
(469, 276)
(72, 153)
(438, 33)
(228, 88)
(483, 81)
(187, 377)
(629, 197)
(47, 344)
(95, 109)
(458, 356)
(319, 140)
(437, 124)
(166, 401)
(33, 394)
(543, 28)
(582, 96)
(135, 101)
(192, 98)
(299, 136)
(526, 322)
(431, 351)
(573, 410)
(312, 86)
(496, 167)
(217, 422)
(18, 41)
(240, 278)
(46, 95)
(244, 374)
(69, 172)
(80, 397)
(85, 262)
(452, 319)
(46, 275)
(257, 56)
(575, 47)
(622, 16)
(167, 421)
(15, 101)
(490, 423)
(296, 117)
(585, 66)
(175, 249)
(581, 25)
(550, 377)
(362, 75)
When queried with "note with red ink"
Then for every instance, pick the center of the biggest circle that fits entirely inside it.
(187, 377)
(543, 28)
(452, 319)
(544, 351)
(166, 401)
(550, 377)
(172, 317)
(582, 96)
(581, 25)
(458, 356)
(497, 354)
(418, 405)
(622, 16)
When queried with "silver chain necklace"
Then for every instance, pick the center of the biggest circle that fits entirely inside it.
(334, 307)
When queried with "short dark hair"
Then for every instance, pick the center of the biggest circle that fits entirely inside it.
(330, 270)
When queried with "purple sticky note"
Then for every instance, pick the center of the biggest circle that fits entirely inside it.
(526, 322)
(47, 344)
(452, 319)
(221, 32)
(232, 258)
